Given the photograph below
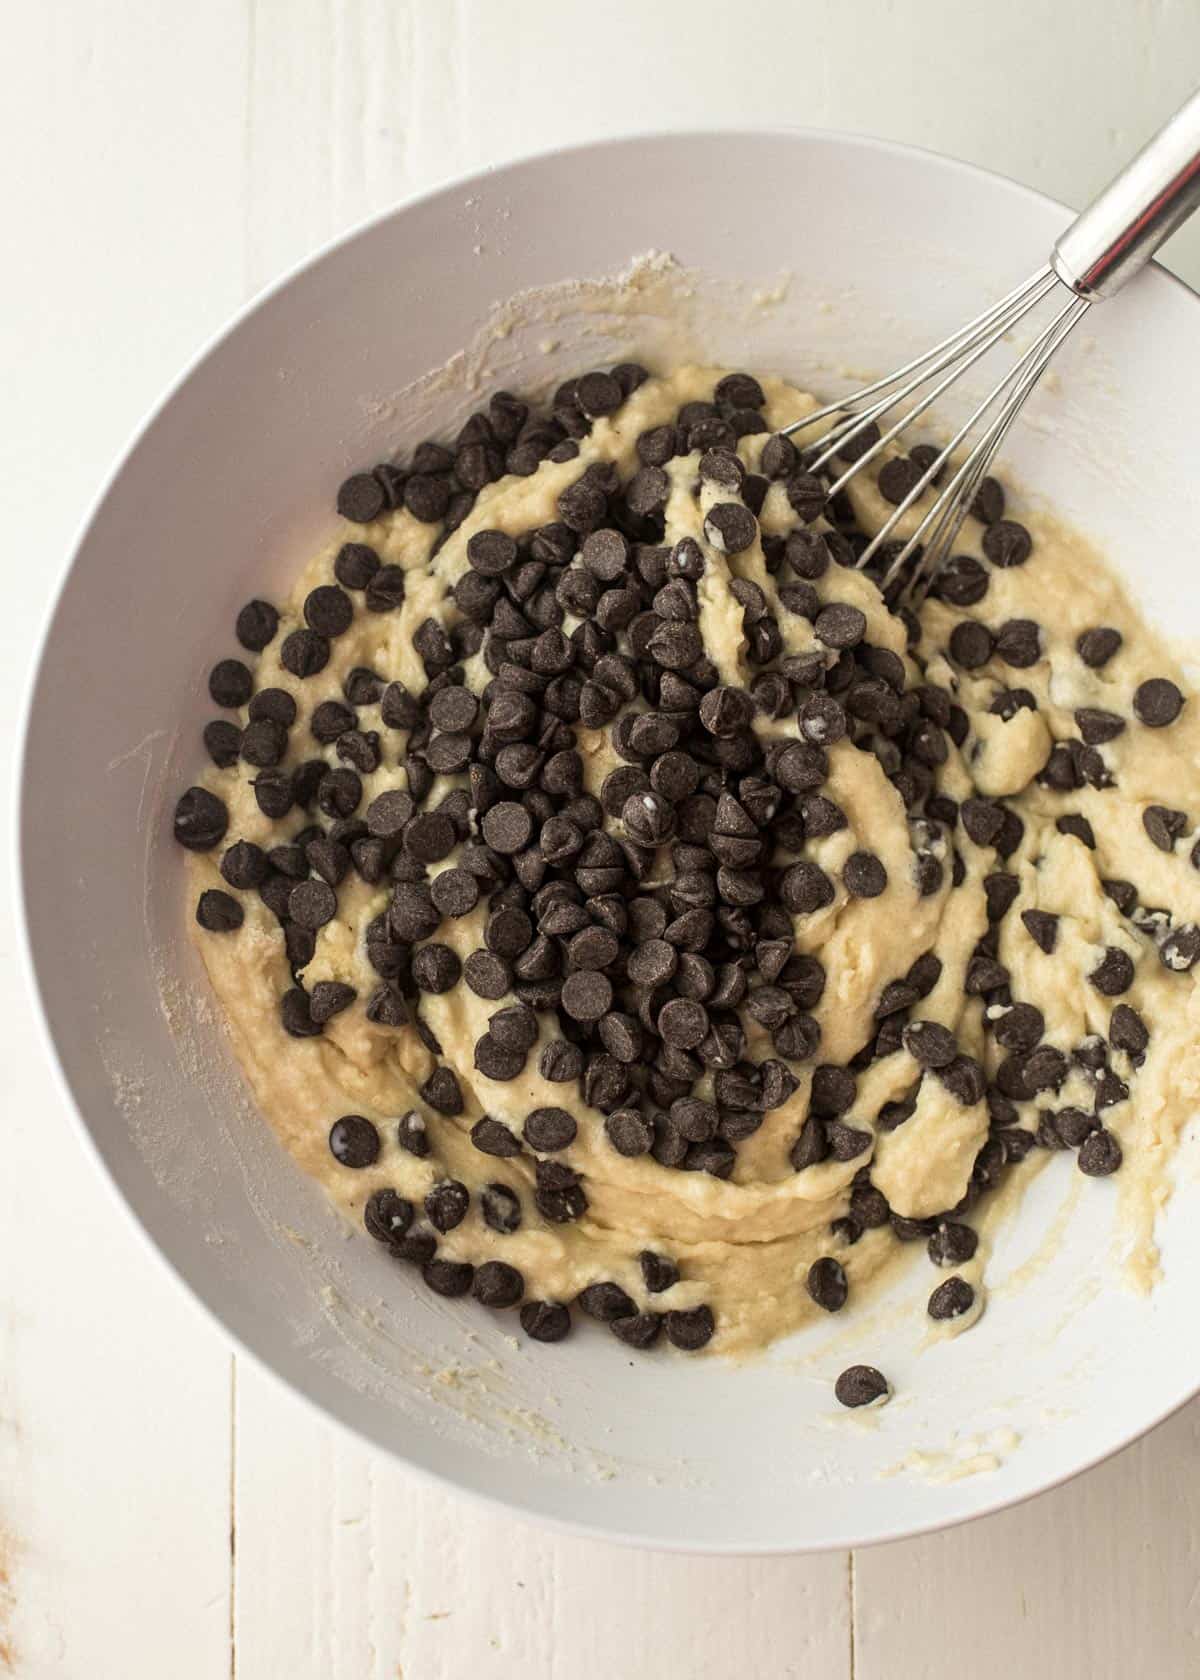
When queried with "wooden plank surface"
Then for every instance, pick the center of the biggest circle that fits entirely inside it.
(164, 1510)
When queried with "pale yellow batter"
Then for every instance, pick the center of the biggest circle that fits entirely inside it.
(744, 1245)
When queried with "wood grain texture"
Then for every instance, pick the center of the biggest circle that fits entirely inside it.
(164, 1511)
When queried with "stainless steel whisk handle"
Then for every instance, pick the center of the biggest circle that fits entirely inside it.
(1122, 228)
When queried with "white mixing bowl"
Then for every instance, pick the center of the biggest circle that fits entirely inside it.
(222, 496)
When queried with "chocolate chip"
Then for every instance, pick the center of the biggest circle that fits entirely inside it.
(951, 1299)
(446, 1204)
(1114, 974)
(587, 995)
(443, 1092)
(436, 968)
(860, 1385)
(683, 1023)
(1180, 949)
(1005, 543)
(952, 1244)
(846, 1142)
(1127, 1031)
(1078, 827)
(897, 477)
(429, 837)
(598, 394)
(312, 904)
(497, 1284)
(507, 827)
(387, 1216)
(1042, 928)
(487, 975)
(451, 1278)
(987, 504)
(826, 1283)
(201, 820)
(493, 1137)
(962, 581)
(427, 496)
(501, 1208)
(548, 1129)
(1021, 1027)
(330, 998)
(222, 741)
(863, 875)
(361, 499)
(1099, 1154)
(971, 644)
(1045, 1069)
(545, 1321)
(1157, 703)
(412, 914)
(739, 390)
(659, 1273)
(559, 1195)
(496, 1060)
(1073, 1125)
(1097, 726)
(640, 1330)
(1164, 826)
(219, 912)
(629, 1132)
(805, 889)
(657, 446)
(690, 1330)
(1096, 647)
(304, 653)
(605, 1301)
(328, 609)
(840, 625)
(230, 683)
(355, 565)
(354, 1141)
(730, 527)
(1018, 642)
(929, 1044)
(245, 865)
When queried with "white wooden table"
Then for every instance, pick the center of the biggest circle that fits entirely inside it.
(164, 1510)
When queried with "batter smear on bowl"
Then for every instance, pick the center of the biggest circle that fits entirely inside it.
(621, 908)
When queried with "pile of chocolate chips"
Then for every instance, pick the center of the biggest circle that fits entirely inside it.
(644, 987)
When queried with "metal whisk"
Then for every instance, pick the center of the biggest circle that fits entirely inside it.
(1104, 247)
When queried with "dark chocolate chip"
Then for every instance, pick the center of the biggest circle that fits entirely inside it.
(304, 653)
(387, 1216)
(1096, 647)
(826, 1283)
(1157, 703)
(951, 1299)
(1006, 543)
(860, 1385)
(1099, 1154)
(1114, 974)
(451, 1278)
(1042, 927)
(219, 912)
(690, 1330)
(354, 1141)
(230, 683)
(497, 1284)
(545, 1321)
(201, 820)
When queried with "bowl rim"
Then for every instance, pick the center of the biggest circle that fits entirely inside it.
(24, 773)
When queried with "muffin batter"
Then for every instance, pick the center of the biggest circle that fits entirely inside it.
(941, 875)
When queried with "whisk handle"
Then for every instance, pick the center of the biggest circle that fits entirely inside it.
(1122, 228)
